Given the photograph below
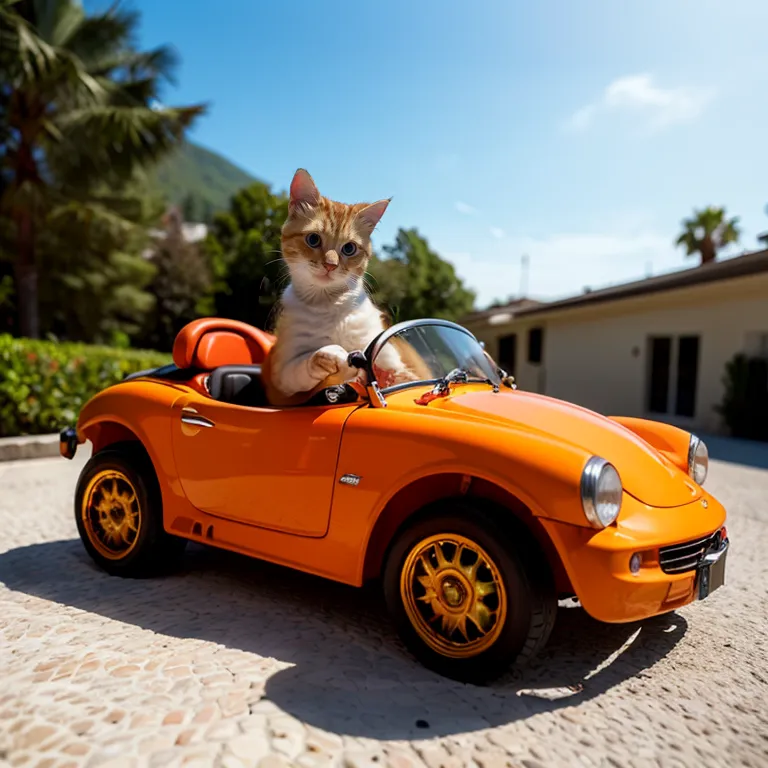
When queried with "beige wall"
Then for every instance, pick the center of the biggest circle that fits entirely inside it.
(598, 356)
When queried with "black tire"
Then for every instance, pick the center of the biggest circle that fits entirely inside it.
(521, 567)
(151, 550)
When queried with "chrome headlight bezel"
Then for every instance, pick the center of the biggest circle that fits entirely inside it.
(597, 473)
(698, 457)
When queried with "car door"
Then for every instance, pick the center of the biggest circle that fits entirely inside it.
(268, 467)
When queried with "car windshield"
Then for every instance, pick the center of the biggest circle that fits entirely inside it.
(427, 353)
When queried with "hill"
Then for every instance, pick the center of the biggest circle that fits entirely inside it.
(199, 180)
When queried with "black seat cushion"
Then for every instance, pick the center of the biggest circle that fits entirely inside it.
(239, 385)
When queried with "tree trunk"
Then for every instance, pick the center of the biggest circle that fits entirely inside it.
(708, 252)
(26, 277)
(27, 177)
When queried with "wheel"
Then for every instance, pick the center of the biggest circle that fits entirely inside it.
(467, 596)
(119, 515)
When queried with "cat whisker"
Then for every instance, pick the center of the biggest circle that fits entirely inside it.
(370, 276)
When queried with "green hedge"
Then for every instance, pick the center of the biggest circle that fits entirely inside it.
(44, 384)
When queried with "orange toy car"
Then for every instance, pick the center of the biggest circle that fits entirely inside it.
(477, 505)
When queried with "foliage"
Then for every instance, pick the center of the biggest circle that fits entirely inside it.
(94, 280)
(200, 181)
(243, 249)
(745, 404)
(414, 282)
(79, 117)
(43, 385)
(181, 287)
(707, 232)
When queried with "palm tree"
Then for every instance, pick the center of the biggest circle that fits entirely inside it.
(707, 231)
(78, 118)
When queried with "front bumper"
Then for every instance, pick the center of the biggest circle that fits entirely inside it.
(598, 562)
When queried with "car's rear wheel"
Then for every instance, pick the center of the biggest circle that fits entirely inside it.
(468, 598)
(119, 515)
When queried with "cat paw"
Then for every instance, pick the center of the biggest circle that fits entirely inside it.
(328, 361)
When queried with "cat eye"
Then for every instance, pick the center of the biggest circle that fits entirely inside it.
(348, 249)
(313, 240)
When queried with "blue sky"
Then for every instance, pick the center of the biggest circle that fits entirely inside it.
(578, 132)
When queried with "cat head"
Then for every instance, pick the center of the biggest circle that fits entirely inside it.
(327, 245)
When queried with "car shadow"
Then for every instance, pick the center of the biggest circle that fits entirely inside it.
(350, 674)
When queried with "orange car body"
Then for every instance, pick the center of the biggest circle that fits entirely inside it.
(323, 488)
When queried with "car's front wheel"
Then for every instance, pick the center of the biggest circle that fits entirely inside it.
(467, 597)
(119, 515)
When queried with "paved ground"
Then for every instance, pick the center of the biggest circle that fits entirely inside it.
(238, 663)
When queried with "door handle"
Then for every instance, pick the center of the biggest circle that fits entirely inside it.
(192, 417)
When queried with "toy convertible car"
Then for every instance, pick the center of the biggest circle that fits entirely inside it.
(477, 505)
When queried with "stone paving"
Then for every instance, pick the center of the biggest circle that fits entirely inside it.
(238, 663)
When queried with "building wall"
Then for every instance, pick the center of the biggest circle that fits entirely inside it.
(599, 356)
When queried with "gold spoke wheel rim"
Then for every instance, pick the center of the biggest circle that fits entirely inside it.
(111, 514)
(454, 595)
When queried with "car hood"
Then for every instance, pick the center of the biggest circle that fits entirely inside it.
(645, 474)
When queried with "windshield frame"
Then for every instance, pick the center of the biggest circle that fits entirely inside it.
(378, 342)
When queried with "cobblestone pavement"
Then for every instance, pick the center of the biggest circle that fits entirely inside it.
(238, 663)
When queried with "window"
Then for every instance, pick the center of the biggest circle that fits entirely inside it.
(535, 345)
(673, 367)
(658, 386)
(507, 357)
(687, 375)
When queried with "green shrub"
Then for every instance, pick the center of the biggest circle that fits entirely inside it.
(745, 403)
(44, 384)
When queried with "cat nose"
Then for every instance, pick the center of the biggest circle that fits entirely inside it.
(331, 261)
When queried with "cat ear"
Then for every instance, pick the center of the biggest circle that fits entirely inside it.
(303, 191)
(370, 216)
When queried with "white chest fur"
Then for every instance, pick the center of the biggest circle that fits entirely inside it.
(306, 327)
(351, 322)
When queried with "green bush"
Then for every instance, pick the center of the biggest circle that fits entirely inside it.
(745, 404)
(44, 384)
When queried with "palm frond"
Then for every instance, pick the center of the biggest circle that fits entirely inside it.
(110, 142)
(38, 64)
(104, 35)
(159, 62)
(56, 20)
(121, 64)
(131, 93)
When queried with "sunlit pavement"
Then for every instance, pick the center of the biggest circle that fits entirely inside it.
(234, 662)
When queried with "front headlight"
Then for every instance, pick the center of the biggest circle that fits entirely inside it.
(601, 492)
(698, 460)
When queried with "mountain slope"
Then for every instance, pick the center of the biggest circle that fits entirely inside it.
(199, 180)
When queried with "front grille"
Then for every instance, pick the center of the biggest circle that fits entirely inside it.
(680, 558)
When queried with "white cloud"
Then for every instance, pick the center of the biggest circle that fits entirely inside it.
(498, 233)
(563, 265)
(467, 210)
(638, 95)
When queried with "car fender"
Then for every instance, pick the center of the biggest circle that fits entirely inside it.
(390, 450)
(143, 408)
(670, 441)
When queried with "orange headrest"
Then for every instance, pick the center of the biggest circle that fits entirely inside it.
(210, 342)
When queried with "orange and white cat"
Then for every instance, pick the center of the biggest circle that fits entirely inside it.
(325, 311)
